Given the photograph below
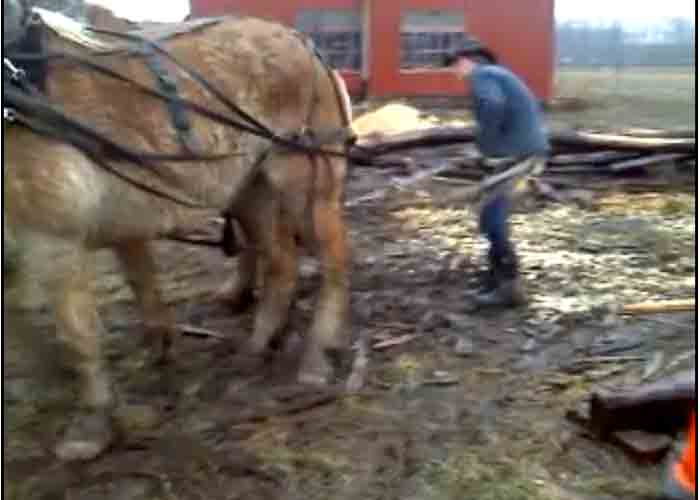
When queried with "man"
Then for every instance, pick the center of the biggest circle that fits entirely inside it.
(680, 482)
(510, 125)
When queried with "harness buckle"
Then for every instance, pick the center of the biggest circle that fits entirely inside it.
(16, 74)
(9, 115)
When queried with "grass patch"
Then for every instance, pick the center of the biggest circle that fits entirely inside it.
(468, 475)
(405, 370)
(645, 97)
(618, 487)
(274, 447)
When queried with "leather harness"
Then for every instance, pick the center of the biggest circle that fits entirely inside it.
(24, 103)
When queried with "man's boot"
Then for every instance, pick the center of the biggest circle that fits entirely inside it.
(488, 278)
(507, 290)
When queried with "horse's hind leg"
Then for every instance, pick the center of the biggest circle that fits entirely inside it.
(272, 236)
(140, 268)
(79, 326)
(327, 336)
(239, 293)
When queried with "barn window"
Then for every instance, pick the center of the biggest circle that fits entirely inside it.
(337, 33)
(427, 35)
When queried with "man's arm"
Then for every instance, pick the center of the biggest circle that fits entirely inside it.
(491, 104)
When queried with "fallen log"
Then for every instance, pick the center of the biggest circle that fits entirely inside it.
(601, 183)
(647, 161)
(589, 141)
(659, 307)
(613, 144)
(661, 407)
(680, 133)
(597, 158)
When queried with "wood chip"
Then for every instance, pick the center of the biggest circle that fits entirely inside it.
(393, 342)
(196, 331)
(441, 382)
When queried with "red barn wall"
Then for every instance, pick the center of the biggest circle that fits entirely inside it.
(520, 32)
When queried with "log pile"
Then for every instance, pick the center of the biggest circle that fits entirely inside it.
(660, 407)
(641, 420)
(630, 158)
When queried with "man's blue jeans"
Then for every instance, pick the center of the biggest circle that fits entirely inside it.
(494, 225)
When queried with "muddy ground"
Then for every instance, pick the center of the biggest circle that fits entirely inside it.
(467, 405)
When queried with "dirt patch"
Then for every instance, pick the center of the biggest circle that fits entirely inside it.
(486, 421)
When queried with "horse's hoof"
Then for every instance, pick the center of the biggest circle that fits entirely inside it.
(315, 370)
(86, 438)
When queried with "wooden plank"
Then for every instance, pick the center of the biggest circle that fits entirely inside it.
(659, 307)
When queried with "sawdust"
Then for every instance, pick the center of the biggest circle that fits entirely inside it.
(393, 118)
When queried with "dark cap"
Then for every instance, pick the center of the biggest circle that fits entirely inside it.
(472, 49)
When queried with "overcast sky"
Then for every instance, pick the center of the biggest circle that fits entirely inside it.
(632, 11)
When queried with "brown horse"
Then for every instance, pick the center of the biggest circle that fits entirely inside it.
(57, 197)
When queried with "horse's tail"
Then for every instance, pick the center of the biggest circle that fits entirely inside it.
(344, 97)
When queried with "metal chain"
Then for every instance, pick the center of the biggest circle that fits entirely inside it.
(16, 75)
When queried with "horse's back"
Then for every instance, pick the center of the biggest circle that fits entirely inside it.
(262, 67)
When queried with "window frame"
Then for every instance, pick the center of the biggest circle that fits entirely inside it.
(447, 30)
(323, 38)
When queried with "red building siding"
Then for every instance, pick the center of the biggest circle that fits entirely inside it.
(520, 32)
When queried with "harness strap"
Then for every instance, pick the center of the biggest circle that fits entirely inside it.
(79, 142)
(168, 86)
(64, 127)
(196, 76)
(188, 104)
